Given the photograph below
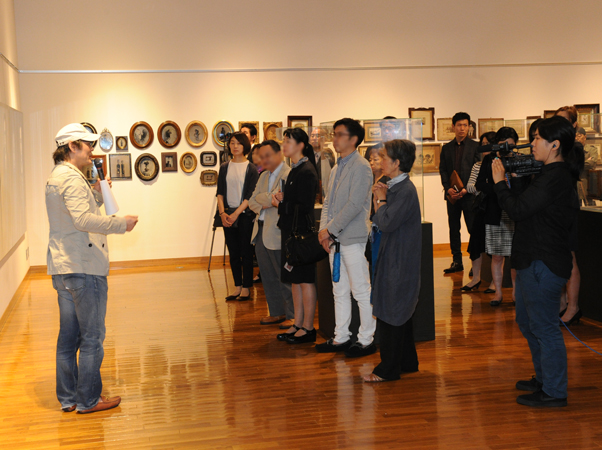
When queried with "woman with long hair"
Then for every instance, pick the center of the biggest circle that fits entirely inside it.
(235, 185)
(298, 197)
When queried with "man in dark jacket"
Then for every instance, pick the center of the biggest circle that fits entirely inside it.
(458, 155)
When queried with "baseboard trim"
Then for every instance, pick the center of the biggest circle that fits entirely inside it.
(13, 302)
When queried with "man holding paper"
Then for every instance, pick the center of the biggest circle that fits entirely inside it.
(78, 260)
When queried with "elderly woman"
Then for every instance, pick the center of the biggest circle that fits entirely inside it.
(397, 267)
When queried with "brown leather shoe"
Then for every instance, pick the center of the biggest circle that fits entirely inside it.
(103, 404)
(286, 324)
(70, 409)
(272, 320)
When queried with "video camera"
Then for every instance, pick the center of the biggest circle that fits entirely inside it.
(513, 161)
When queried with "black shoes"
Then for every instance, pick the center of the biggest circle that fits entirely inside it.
(330, 347)
(574, 319)
(468, 288)
(489, 291)
(455, 267)
(309, 336)
(231, 297)
(540, 399)
(357, 350)
(532, 385)
(496, 302)
(285, 336)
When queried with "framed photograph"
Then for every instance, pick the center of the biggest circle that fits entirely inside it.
(121, 143)
(255, 123)
(106, 140)
(586, 118)
(169, 161)
(529, 122)
(169, 134)
(196, 133)
(208, 159)
(90, 171)
(220, 133)
(372, 128)
(299, 121)
(147, 167)
(121, 166)
(548, 113)
(269, 130)
(519, 126)
(91, 129)
(487, 125)
(445, 129)
(362, 149)
(472, 130)
(429, 159)
(188, 162)
(209, 177)
(428, 121)
(141, 135)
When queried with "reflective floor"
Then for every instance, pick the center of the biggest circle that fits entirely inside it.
(197, 372)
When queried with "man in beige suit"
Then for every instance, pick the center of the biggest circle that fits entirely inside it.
(266, 234)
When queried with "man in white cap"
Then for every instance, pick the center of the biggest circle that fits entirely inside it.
(78, 260)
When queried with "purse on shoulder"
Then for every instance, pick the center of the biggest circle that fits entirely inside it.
(456, 182)
(302, 249)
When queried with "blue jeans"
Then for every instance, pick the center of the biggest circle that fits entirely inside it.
(83, 307)
(537, 304)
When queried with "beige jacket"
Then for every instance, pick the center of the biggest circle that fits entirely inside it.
(78, 229)
(260, 198)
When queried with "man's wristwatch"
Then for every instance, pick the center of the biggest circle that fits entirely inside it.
(379, 201)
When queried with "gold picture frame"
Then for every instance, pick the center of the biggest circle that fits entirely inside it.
(220, 132)
(430, 157)
(188, 162)
(490, 124)
(428, 121)
(445, 129)
(196, 133)
(372, 131)
(269, 130)
(146, 167)
(141, 135)
(519, 125)
(209, 177)
(169, 134)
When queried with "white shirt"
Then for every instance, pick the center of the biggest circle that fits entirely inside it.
(271, 178)
(235, 180)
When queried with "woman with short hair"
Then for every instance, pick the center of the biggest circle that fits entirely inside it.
(397, 267)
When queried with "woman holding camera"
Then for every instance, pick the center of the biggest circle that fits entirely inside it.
(545, 215)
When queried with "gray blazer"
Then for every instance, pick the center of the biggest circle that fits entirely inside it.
(260, 198)
(349, 202)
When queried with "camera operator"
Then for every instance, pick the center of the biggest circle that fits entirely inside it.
(544, 214)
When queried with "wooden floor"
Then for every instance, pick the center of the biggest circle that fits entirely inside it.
(196, 372)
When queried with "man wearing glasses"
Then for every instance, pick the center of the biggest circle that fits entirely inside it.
(78, 260)
(345, 219)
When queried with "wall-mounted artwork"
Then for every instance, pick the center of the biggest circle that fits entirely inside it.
(209, 177)
(445, 129)
(169, 134)
(141, 135)
(196, 133)
(169, 162)
(121, 166)
(269, 130)
(428, 120)
(188, 162)
(91, 129)
(121, 143)
(220, 133)
(208, 159)
(147, 167)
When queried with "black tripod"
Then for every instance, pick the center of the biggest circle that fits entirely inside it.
(225, 157)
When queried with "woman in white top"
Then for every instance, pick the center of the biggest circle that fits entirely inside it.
(235, 185)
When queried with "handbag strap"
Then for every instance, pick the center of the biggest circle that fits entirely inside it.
(296, 221)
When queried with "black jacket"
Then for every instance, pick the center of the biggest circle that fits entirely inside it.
(448, 155)
(545, 216)
(251, 178)
(299, 191)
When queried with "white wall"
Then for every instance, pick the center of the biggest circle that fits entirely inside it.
(14, 265)
(175, 210)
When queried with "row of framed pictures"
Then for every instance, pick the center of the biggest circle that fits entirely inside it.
(147, 166)
(169, 133)
(445, 132)
(429, 157)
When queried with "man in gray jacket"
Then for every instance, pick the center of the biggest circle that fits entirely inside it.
(266, 235)
(345, 219)
(78, 260)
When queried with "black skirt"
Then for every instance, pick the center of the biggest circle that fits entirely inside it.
(299, 274)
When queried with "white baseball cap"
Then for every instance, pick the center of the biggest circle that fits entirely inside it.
(74, 132)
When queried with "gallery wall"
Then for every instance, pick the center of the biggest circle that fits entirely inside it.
(175, 210)
(14, 244)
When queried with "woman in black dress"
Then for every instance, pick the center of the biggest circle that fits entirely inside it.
(299, 194)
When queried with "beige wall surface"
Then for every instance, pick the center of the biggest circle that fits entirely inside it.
(13, 261)
(175, 210)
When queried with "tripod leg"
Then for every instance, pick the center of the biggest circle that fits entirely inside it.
(211, 251)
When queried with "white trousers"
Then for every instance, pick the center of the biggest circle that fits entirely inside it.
(355, 279)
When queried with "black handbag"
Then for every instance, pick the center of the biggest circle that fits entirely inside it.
(478, 202)
(302, 249)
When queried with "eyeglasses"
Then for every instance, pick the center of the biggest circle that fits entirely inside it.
(339, 134)
(89, 144)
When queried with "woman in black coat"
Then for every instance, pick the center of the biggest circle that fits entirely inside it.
(397, 267)
(299, 195)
